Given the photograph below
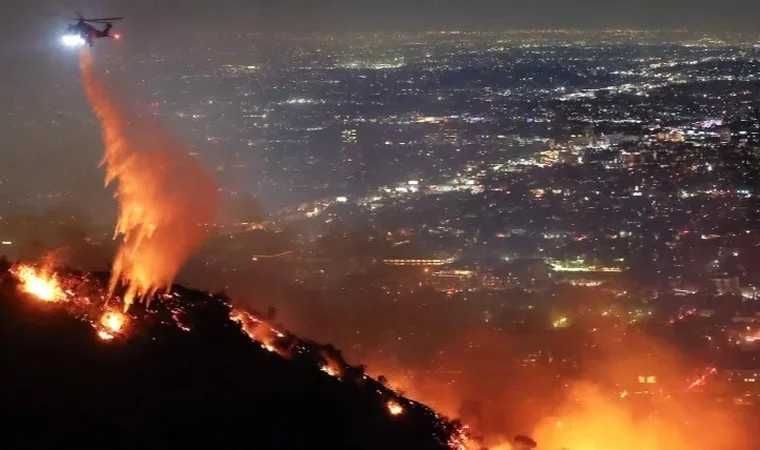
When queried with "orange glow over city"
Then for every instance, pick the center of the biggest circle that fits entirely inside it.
(656, 405)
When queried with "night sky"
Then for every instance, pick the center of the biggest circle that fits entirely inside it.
(356, 15)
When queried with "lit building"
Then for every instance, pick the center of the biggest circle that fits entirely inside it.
(750, 293)
(725, 135)
(452, 280)
(579, 141)
(348, 136)
(727, 286)
(450, 136)
(580, 265)
(626, 159)
(490, 282)
(418, 262)
(746, 382)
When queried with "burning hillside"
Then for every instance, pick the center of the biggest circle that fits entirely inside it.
(181, 372)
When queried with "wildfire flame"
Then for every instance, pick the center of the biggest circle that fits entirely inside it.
(394, 408)
(166, 200)
(460, 439)
(41, 283)
(44, 283)
(112, 323)
(258, 331)
(331, 367)
(105, 335)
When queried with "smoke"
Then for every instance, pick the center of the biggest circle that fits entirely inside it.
(639, 390)
(30, 234)
(166, 200)
(579, 388)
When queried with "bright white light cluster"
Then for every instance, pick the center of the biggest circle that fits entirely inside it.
(72, 40)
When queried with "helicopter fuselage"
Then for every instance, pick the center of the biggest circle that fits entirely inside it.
(88, 32)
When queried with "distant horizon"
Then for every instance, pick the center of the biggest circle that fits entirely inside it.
(24, 20)
(472, 30)
(489, 31)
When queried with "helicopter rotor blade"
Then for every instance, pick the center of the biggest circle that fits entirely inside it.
(107, 19)
(49, 14)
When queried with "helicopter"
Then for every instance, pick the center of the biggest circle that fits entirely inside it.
(83, 32)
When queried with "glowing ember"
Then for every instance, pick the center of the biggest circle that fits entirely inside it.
(113, 321)
(110, 325)
(40, 283)
(328, 370)
(178, 322)
(702, 380)
(394, 408)
(106, 336)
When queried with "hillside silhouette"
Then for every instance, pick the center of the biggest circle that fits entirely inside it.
(209, 387)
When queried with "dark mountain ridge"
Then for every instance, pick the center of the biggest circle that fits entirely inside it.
(185, 374)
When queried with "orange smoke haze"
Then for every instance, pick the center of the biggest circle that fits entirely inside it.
(167, 201)
(500, 385)
(591, 419)
(638, 396)
(604, 406)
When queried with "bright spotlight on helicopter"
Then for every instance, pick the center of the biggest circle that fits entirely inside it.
(72, 40)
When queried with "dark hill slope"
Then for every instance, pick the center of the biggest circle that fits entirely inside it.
(211, 387)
